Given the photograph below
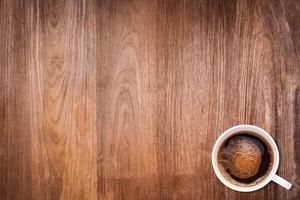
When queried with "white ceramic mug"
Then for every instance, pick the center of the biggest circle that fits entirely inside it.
(272, 174)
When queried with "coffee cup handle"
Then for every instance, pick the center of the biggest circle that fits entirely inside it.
(282, 182)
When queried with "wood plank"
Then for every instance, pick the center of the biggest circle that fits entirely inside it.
(63, 100)
(126, 101)
(15, 140)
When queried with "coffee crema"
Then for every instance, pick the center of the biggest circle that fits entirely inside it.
(245, 159)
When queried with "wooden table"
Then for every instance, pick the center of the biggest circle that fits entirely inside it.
(124, 99)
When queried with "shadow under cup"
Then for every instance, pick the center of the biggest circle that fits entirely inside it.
(263, 149)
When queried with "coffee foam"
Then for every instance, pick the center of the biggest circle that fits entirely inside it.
(242, 157)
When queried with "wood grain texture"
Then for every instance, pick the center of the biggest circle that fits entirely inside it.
(63, 95)
(103, 99)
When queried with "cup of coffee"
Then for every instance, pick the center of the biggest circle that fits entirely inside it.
(245, 158)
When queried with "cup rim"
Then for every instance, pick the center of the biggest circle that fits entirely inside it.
(231, 131)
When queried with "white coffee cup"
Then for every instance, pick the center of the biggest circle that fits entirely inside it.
(271, 176)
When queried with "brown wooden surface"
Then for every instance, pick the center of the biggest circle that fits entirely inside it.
(124, 99)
